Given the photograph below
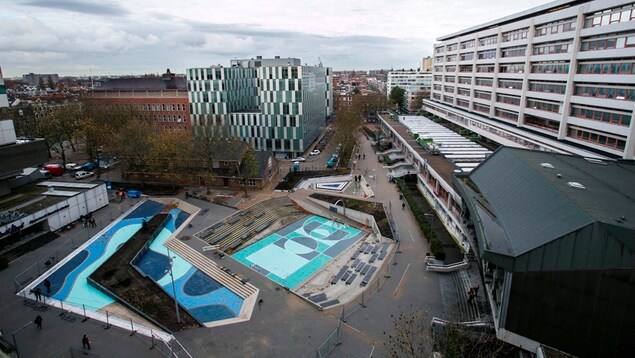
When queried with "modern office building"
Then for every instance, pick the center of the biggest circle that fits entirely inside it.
(558, 77)
(276, 105)
(161, 100)
(4, 101)
(562, 276)
(414, 82)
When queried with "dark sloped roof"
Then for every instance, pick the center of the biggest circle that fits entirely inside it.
(142, 84)
(535, 204)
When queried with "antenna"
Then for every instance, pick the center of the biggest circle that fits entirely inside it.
(320, 60)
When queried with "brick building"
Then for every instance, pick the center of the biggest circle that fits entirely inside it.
(162, 100)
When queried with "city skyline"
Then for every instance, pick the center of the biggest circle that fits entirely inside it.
(73, 37)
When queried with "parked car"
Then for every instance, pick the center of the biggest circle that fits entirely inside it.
(83, 174)
(315, 152)
(88, 166)
(300, 159)
(45, 173)
(54, 169)
(72, 166)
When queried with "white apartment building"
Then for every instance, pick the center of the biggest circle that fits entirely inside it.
(558, 77)
(414, 82)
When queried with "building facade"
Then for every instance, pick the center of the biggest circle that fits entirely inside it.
(414, 82)
(274, 104)
(160, 100)
(556, 77)
(4, 102)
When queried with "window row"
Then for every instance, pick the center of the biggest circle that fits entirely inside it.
(163, 118)
(547, 87)
(491, 40)
(610, 16)
(485, 68)
(487, 54)
(607, 42)
(465, 80)
(464, 92)
(462, 103)
(550, 67)
(481, 108)
(466, 68)
(452, 48)
(601, 114)
(510, 84)
(512, 68)
(551, 48)
(514, 51)
(542, 105)
(611, 92)
(162, 107)
(626, 67)
(515, 35)
(503, 98)
(505, 114)
(555, 27)
(467, 44)
(542, 123)
(466, 56)
(483, 95)
(488, 82)
(596, 138)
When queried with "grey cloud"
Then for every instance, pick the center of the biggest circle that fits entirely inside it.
(84, 7)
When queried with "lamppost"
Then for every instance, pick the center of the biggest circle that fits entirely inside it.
(176, 303)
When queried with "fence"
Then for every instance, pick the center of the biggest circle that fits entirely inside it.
(348, 309)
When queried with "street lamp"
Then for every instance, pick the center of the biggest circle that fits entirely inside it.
(176, 303)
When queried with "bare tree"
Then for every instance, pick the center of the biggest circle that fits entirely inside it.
(410, 338)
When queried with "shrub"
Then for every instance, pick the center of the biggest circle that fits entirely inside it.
(436, 247)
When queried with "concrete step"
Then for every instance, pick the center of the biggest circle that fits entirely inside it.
(210, 268)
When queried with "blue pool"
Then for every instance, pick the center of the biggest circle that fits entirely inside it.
(203, 297)
(295, 253)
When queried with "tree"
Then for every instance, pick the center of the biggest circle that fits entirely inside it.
(397, 96)
(50, 83)
(248, 167)
(346, 124)
(40, 83)
(134, 146)
(417, 101)
(410, 337)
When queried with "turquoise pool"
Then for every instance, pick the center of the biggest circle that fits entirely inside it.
(296, 252)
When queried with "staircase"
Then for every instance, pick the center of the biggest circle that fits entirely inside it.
(210, 268)
(467, 312)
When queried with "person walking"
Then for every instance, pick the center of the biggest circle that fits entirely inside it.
(47, 285)
(86, 342)
(38, 321)
(38, 294)
(403, 206)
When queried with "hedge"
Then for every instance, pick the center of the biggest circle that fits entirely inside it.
(436, 247)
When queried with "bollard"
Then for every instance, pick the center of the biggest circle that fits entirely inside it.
(152, 339)
(132, 331)
(107, 326)
(85, 317)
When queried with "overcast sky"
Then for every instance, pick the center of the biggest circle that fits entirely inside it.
(73, 37)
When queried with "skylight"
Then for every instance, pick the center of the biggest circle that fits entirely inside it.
(575, 184)
(547, 165)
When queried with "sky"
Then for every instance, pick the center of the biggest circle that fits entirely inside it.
(113, 37)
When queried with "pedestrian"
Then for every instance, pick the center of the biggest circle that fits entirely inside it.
(38, 294)
(38, 321)
(259, 302)
(86, 342)
(47, 285)
(92, 222)
(363, 156)
(400, 196)
(187, 194)
(403, 206)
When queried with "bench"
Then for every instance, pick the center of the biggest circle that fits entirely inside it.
(351, 279)
(245, 236)
(373, 258)
(365, 269)
(374, 249)
(247, 223)
(235, 244)
(346, 275)
(232, 221)
(339, 275)
(382, 255)
(260, 214)
(220, 237)
(367, 250)
(243, 213)
(354, 257)
(217, 225)
(262, 227)
(359, 267)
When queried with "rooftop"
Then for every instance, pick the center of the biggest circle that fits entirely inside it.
(532, 198)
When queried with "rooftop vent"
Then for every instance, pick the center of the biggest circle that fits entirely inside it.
(575, 184)
(547, 165)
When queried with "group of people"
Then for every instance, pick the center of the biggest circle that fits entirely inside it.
(88, 220)
(471, 294)
(85, 340)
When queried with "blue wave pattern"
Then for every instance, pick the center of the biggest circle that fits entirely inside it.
(202, 296)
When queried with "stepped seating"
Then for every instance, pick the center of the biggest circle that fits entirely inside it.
(210, 268)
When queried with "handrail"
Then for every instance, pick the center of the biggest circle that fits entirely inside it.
(447, 268)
